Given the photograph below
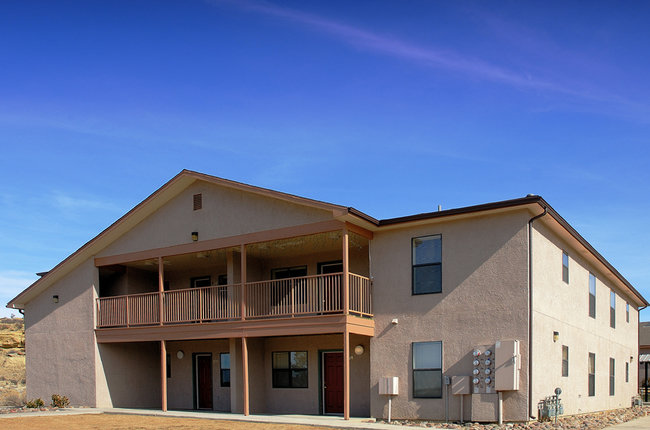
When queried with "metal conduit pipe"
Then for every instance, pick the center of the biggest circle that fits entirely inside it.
(530, 311)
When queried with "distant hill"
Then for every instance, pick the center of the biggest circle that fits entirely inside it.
(12, 362)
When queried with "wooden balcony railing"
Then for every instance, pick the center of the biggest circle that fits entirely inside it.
(283, 298)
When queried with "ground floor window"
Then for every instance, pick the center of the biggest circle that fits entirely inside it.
(592, 374)
(427, 369)
(225, 369)
(290, 369)
(612, 376)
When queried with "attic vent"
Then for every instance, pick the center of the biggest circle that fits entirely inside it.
(198, 201)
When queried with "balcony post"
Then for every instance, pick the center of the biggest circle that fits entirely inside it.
(242, 309)
(346, 272)
(346, 373)
(163, 374)
(244, 355)
(161, 287)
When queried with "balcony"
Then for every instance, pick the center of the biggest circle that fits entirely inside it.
(316, 295)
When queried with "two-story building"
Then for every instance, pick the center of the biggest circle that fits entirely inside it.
(216, 295)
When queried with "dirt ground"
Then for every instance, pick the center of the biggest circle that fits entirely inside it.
(12, 362)
(115, 422)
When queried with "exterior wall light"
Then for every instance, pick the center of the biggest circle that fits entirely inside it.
(55, 298)
(180, 354)
(556, 336)
(195, 236)
(359, 349)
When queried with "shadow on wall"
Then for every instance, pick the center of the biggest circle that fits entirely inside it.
(132, 373)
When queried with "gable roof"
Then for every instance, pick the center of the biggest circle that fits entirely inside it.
(186, 177)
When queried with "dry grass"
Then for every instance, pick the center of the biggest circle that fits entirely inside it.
(12, 362)
(118, 422)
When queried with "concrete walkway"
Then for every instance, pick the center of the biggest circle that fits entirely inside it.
(637, 424)
(308, 420)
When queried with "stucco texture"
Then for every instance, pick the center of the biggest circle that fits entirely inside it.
(484, 299)
(562, 307)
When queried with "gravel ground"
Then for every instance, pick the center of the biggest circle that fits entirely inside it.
(594, 421)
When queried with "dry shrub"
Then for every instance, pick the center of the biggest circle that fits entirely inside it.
(59, 401)
(13, 398)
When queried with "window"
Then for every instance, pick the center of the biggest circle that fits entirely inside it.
(592, 374)
(290, 369)
(201, 281)
(427, 264)
(612, 376)
(627, 312)
(592, 295)
(289, 272)
(612, 309)
(627, 372)
(427, 369)
(565, 267)
(330, 267)
(224, 358)
(565, 360)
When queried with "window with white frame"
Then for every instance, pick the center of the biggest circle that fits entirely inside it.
(426, 264)
(565, 267)
(427, 369)
(592, 295)
(612, 309)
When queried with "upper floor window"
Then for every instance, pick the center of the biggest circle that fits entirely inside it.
(627, 312)
(427, 264)
(565, 267)
(612, 309)
(592, 295)
(592, 374)
(627, 372)
(427, 369)
(565, 360)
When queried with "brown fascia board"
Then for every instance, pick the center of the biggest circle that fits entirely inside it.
(500, 205)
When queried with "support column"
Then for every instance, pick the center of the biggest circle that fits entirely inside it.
(244, 354)
(242, 309)
(163, 374)
(346, 374)
(346, 271)
(161, 287)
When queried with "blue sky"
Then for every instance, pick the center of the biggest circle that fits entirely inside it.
(392, 107)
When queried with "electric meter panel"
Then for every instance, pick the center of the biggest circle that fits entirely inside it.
(483, 369)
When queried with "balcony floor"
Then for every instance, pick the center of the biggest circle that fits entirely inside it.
(303, 325)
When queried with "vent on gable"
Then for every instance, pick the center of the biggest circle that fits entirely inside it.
(198, 201)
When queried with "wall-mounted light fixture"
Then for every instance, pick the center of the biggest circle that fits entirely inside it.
(195, 236)
(55, 298)
(395, 321)
(556, 336)
(359, 349)
(180, 354)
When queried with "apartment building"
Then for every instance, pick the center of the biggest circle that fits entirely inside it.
(217, 295)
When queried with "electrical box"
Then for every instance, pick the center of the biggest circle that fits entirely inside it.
(388, 386)
(508, 364)
(460, 385)
(482, 379)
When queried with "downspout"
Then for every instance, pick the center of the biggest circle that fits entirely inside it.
(530, 311)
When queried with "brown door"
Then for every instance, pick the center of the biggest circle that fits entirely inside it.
(204, 381)
(333, 380)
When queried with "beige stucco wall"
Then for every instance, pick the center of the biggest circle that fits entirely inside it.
(266, 399)
(60, 342)
(562, 307)
(128, 375)
(484, 299)
(181, 384)
(226, 212)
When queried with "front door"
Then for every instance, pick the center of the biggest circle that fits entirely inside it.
(203, 381)
(333, 382)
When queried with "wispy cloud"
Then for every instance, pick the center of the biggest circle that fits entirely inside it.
(68, 203)
(448, 60)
